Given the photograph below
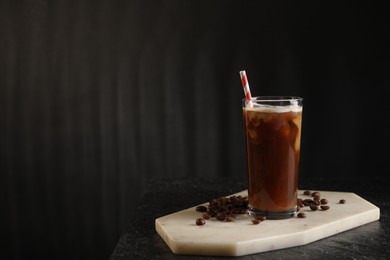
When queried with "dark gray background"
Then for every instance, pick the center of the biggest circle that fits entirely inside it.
(97, 97)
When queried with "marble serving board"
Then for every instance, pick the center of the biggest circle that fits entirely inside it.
(242, 237)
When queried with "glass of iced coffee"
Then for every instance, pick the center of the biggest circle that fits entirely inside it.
(272, 127)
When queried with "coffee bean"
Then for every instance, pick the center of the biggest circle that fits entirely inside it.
(221, 216)
(244, 211)
(324, 201)
(324, 207)
(229, 219)
(205, 215)
(301, 215)
(236, 211)
(313, 207)
(300, 203)
(261, 218)
(317, 197)
(307, 202)
(307, 192)
(201, 208)
(200, 222)
(316, 194)
(231, 215)
(316, 202)
(343, 201)
(256, 221)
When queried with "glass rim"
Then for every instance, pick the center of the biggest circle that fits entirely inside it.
(275, 98)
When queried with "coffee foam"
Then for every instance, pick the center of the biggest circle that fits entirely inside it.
(274, 109)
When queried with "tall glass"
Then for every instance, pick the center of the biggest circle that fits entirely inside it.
(273, 134)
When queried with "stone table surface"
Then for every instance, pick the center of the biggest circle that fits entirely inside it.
(162, 197)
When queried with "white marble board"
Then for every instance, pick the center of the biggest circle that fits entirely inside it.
(242, 237)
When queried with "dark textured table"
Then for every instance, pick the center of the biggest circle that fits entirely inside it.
(370, 241)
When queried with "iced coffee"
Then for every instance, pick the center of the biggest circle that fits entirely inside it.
(272, 133)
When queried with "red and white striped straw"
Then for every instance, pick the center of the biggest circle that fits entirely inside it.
(245, 87)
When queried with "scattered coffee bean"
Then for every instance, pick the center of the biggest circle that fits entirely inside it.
(307, 202)
(324, 207)
(201, 208)
(256, 221)
(235, 210)
(229, 219)
(316, 194)
(300, 203)
(317, 197)
(200, 222)
(261, 218)
(206, 216)
(244, 211)
(314, 204)
(225, 208)
(232, 215)
(221, 216)
(229, 205)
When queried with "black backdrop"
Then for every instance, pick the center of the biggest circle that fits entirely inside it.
(97, 97)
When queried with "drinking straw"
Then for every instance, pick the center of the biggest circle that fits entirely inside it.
(245, 87)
